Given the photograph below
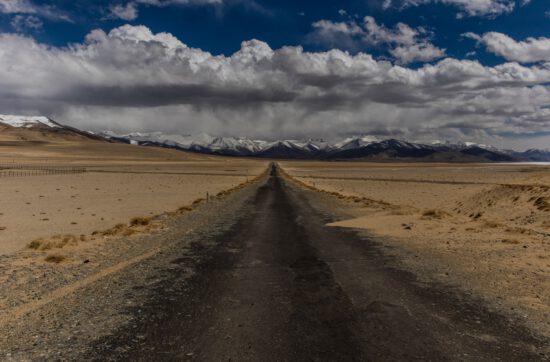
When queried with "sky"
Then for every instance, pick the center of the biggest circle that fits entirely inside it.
(421, 70)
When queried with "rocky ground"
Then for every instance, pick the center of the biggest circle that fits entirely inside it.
(255, 274)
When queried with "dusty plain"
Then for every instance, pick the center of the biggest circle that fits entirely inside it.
(74, 210)
(78, 188)
(484, 228)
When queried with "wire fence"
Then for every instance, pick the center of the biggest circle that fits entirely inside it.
(23, 170)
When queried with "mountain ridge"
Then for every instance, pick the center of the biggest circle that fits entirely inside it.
(361, 147)
(352, 148)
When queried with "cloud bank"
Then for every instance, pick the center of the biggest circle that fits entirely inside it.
(131, 79)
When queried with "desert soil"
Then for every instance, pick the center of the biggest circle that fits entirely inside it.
(255, 275)
(484, 228)
(121, 182)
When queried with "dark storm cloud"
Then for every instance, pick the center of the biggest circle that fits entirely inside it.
(165, 95)
(125, 78)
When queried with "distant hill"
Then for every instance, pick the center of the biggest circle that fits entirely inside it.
(40, 129)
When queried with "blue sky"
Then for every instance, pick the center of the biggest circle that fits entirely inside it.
(220, 29)
(460, 70)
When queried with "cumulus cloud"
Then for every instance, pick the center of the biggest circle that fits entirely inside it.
(490, 8)
(131, 79)
(406, 44)
(420, 52)
(343, 35)
(28, 7)
(529, 50)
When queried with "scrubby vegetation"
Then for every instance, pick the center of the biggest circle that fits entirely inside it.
(55, 258)
(55, 242)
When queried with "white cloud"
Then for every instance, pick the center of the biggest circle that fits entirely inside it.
(130, 10)
(529, 50)
(489, 8)
(343, 35)
(28, 7)
(125, 12)
(17, 6)
(179, 2)
(25, 22)
(406, 44)
(421, 52)
(133, 79)
(401, 35)
(329, 27)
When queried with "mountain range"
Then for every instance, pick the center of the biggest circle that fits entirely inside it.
(361, 147)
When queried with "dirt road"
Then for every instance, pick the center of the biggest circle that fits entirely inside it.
(280, 285)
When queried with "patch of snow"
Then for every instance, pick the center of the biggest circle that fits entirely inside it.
(355, 142)
(26, 121)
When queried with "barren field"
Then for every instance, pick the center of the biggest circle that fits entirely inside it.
(75, 188)
(484, 228)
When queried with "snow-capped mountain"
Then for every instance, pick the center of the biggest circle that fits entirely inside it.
(200, 143)
(385, 149)
(358, 147)
(355, 142)
(230, 146)
(291, 149)
(27, 121)
(40, 126)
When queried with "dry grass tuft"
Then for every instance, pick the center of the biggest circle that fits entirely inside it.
(35, 244)
(128, 232)
(115, 230)
(140, 221)
(197, 201)
(136, 225)
(55, 242)
(55, 258)
(475, 215)
(492, 224)
(542, 203)
(434, 214)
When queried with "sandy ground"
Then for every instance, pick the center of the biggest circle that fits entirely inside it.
(121, 182)
(61, 231)
(50, 311)
(485, 228)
